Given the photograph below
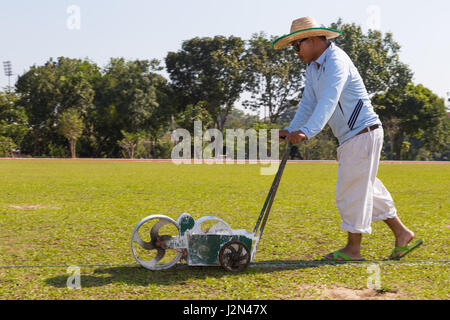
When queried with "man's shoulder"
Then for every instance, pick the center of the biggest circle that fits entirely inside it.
(338, 53)
(338, 56)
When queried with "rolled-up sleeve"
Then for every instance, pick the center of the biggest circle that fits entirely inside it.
(306, 106)
(335, 76)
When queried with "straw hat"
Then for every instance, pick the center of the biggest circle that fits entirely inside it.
(304, 28)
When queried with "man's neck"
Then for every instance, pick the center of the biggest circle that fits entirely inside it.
(324, 46)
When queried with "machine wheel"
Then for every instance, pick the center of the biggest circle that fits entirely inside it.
(158, 243)
(234, 256)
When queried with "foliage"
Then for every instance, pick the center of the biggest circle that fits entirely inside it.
(7, 146)
(161, 149)
(130, 142)
(192, 113)
(239, 119)
(376, 56)
(70, 125)
(58, 151)
(48, 90)
(129, 96)
(210, 70)
(207, 76)
(13, 119)
(274, 77)
(411, 112)
(322, 147)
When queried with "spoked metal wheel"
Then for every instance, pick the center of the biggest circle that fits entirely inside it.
(150, 240)
(234, 256)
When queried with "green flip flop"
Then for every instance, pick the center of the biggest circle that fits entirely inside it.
(338, 254)
(404, 250)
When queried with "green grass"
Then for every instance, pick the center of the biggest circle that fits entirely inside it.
(90, 208)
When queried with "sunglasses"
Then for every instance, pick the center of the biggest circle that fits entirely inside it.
(296, 44)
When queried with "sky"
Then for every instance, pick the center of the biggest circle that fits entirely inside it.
(33, 31)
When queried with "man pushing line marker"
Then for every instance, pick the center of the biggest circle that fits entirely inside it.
(335, 94)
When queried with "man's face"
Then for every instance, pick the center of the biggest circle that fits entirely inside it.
(306, 52)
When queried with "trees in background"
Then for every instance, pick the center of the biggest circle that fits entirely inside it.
(125, 96)
(274, 78)
(209, 70)
(413, 114)
(13, 123)
(130, 142)
(49, 90)
(414, 119)
(127, 108)
(375, 56)
(130, 97)
(70, 125)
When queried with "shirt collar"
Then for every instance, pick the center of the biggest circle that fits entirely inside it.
(322, 57)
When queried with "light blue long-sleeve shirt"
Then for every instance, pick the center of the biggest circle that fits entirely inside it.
(335, 94)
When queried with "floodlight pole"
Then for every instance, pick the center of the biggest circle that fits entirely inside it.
(8, 71)
(447, 100)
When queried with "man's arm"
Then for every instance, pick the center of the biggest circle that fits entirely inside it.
(306, 106)
(335, 76)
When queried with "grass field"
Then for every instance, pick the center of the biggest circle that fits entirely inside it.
(59, 213)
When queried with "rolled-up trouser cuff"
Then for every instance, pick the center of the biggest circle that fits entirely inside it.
(351, 229)
(388, 215)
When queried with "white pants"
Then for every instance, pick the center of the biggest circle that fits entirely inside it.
(361, 197)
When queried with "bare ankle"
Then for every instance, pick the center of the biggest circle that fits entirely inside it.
(398, 228)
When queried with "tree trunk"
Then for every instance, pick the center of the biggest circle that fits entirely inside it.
(73, 144)
(37, 143)
(398, 140)
(152, 147)
(223, 117)
(391, 130)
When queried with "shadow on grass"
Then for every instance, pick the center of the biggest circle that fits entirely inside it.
(139, 276)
